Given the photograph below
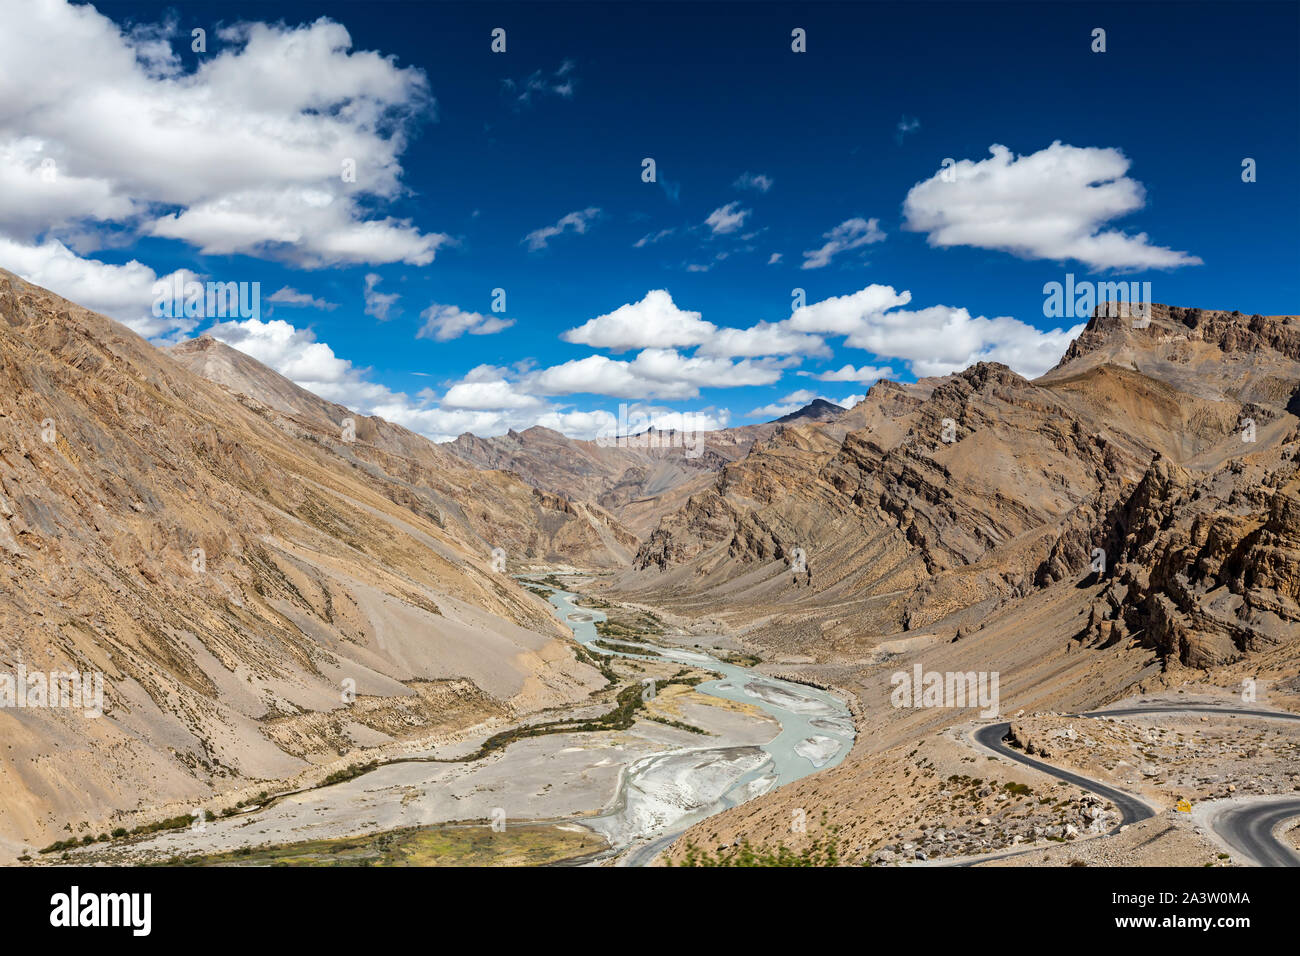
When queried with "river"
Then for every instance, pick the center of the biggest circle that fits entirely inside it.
(663, 794)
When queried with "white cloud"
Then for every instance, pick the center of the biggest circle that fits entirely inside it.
(774, 258)
(654, 321)
(654, 373)
(649, 239)
(942, 339)
(755, 181)
(296, 355)
(288, 295)
(840, 315)
(446, 322)
(36, 195)
(378, 303)
(576, 221)
(934, 340)
(245, 153)
(765, 338)
(308, 226)
(496, 393)
(1051, 204)
(727, 219)
(486, 401)
(863, 376)
(850, 234)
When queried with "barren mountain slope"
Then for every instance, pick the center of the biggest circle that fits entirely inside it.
(490, 507)
(230, 575)
(636, 478)
(977, 555)
(969, 491)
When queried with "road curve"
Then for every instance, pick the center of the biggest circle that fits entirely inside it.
(1247, 828)
(1130, 807)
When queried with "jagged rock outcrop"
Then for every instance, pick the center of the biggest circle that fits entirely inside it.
(1161, 452)
(1210, 564)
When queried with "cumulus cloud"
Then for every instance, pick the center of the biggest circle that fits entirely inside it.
(653, 373)
(36, 195)
(755, 181)
(764, 338)
(843, 314)
(934, 340)
(850, 234)
(446, 322)
(250, 152)
(727, 219)
(653, 321)
(309, 226)
(847, 373)
(1052, 204)
(942, 339)
(577, 221)
(657, 322)
(493, 393)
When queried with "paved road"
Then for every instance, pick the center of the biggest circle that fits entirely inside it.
(1247, 828)
(1130, 807)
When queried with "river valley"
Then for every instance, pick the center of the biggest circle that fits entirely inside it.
(708, 734)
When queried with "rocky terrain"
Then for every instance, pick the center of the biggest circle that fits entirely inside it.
(1153, 469)
(271, 583)
(259, 594)
(1191, 756)
(492, 508)
(1128, 520)
(638, 477)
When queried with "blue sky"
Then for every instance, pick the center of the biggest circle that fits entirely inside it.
(522, 171)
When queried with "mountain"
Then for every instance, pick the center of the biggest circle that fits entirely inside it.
(1169, 447)
(636, 478)
(489, 506)
(1129, 521)
(235, 569)
(818, 410)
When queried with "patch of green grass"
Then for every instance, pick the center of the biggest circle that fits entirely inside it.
(625, 648)
(523, 845)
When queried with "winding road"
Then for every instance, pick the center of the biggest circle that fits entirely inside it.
(1246, 827)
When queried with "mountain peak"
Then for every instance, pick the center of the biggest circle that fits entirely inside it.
(818, 410)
